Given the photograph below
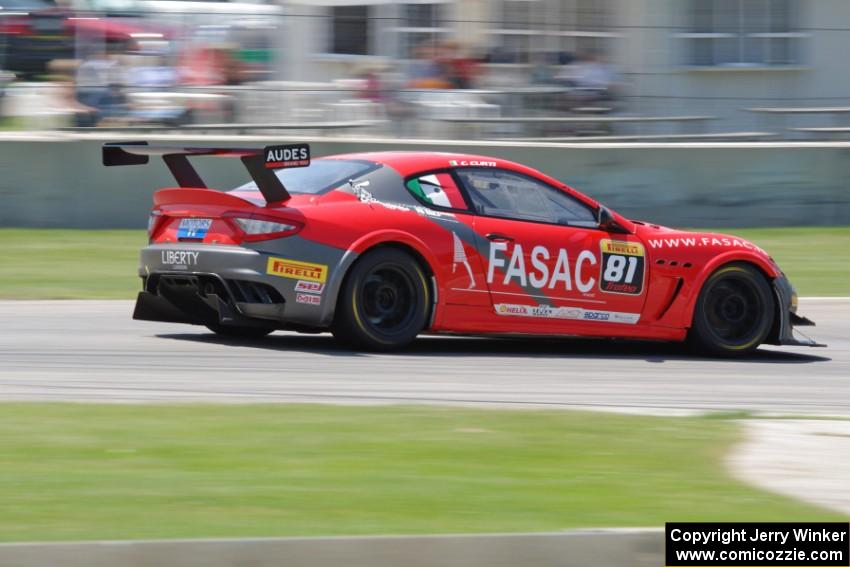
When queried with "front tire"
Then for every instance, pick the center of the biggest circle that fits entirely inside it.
(734, 312)
(384, 303)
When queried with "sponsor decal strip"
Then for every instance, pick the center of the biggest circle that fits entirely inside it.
(623, 267)
(365, 196)
(467, 163)
(284, 164)
(308, 299)
(703, 241)
(179, 257)
(297, 270)
(573, 313)
(193, 228)
(289, 155)
(461, 258)
(540, 276)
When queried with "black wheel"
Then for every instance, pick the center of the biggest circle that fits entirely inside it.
(734, 312)
(243, 332)
(384, 302)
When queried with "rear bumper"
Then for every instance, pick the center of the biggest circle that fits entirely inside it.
(232, 285)
(788, 318)
(202, 300)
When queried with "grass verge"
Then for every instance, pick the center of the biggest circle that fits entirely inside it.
(70, 264)
(102, 264)
(816, 259)
(85, 471)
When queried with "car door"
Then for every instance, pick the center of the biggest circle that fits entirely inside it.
(455, 248)
(548, 266)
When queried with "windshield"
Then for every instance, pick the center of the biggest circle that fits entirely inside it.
(320, 176)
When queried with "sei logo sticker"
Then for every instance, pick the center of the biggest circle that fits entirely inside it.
(309, 287)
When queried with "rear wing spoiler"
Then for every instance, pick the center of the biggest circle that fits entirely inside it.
(260, 163)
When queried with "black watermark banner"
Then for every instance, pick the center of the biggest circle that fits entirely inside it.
(744, 544)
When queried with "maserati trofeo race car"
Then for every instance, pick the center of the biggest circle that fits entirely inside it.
(379, 247)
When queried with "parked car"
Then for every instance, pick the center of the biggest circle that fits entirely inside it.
(32, 33)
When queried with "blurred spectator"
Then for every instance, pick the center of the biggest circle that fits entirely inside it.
(564, 73)
(541, 68)
(61, 72)
(149, 72)
(202, 65)
(425, 71)
(459, 68)
(99, 86)
(594, 76)
(372, 85)
(399, 110)
(445, 65)
(212, 65)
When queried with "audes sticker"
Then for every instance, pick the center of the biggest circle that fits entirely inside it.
(289, 155)
(623, 267)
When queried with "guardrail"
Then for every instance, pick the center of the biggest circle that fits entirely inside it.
(242, 128)
(605, 548)
(574, 119)
(57, 180)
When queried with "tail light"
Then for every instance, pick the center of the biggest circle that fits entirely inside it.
(153, 221)
(264, 228)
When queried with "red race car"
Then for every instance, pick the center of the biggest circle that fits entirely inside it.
(379, 247)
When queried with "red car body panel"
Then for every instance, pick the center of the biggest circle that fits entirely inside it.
(491, 275)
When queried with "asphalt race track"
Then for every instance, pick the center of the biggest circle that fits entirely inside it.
(94, 351)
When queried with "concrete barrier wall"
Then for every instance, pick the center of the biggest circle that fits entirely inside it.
(59, 182)
(614, 548)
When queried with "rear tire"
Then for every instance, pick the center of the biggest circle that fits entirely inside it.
(241, 332)
(384, 303)
(734, 312)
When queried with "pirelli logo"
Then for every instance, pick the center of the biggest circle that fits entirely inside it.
(622, 248)
(296, 270)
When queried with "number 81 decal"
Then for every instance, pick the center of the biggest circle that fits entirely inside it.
(622, 267)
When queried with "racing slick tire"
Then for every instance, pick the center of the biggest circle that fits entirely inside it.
(240, 332)
(384, 303)
(734, 312)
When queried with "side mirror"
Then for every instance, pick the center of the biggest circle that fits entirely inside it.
(606, 221)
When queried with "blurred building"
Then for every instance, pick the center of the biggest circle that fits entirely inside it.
(684, 57)
(278, 61)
